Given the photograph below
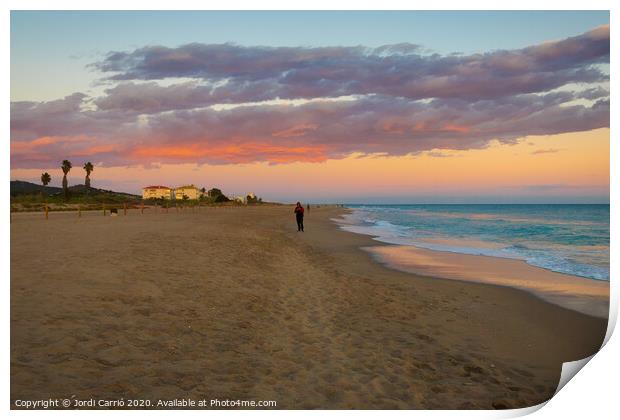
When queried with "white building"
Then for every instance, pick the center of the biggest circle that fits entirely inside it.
(189, 191)
(157, 192)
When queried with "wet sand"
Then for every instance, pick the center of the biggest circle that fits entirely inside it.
(583, 295)
(235, 304)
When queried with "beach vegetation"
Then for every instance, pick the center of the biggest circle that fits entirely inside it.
(27, 195)
(252, 199)
(217, 196)
(221, 199)
(214, 192)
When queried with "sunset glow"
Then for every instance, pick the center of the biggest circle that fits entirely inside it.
(347, 123)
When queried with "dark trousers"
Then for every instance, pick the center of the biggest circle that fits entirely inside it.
(300, 222)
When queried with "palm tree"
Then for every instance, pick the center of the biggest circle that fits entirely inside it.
(45, 179)
(66, 167)
(88, 167)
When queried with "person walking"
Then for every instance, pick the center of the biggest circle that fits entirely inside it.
(299, 215)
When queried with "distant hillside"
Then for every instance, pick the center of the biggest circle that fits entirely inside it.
(24, 188)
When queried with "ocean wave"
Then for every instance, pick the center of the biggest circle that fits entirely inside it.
(590, 261)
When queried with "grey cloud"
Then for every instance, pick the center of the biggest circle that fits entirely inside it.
(393, 70)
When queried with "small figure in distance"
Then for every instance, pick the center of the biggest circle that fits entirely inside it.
(308, 207)
(299, 215)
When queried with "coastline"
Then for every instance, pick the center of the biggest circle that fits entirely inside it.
(234, 303)
(581, 294)
(587, 296)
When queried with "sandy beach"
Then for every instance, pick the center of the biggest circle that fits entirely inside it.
(234, 303)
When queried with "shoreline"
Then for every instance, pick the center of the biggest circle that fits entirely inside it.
(581, 294)
(237, 304)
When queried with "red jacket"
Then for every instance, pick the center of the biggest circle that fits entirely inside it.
(299, 210)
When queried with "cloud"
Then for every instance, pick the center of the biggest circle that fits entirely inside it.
(440, 154)
(545, 151)
(150, 97)
(244, 152)
(310, 132)
(279, 105)
(296, 131)
(254, 73)
(594, 93)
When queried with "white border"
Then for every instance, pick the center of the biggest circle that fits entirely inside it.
(592, 394)
(309, 5)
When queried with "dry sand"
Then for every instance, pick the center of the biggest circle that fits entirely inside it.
(235, 304)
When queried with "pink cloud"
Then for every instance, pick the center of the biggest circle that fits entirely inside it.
(403, 103)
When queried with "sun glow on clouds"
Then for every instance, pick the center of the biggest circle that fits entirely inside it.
(354, 118)
(245, 152)
(579, 166)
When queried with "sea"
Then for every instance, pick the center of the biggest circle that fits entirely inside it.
(565, 238)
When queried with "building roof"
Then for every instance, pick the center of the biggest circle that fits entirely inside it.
(159, 187)
(186, 187)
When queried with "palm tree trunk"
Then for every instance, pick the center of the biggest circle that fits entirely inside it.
(65, 189)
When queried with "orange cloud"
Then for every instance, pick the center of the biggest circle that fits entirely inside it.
(26, 146)
(393, 127)
(401, 126)
(235, 153)
(95, 149)
(433, 126)
(296, 131)
(454, 128)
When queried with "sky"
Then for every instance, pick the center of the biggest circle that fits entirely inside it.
(370, 107)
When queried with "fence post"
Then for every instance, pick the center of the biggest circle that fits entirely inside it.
(124, 209)
(79, 210)
(142, 208)
(104, 209)
(46, 217)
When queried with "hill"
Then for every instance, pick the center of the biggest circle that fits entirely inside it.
(27, 195)
(26, 188)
